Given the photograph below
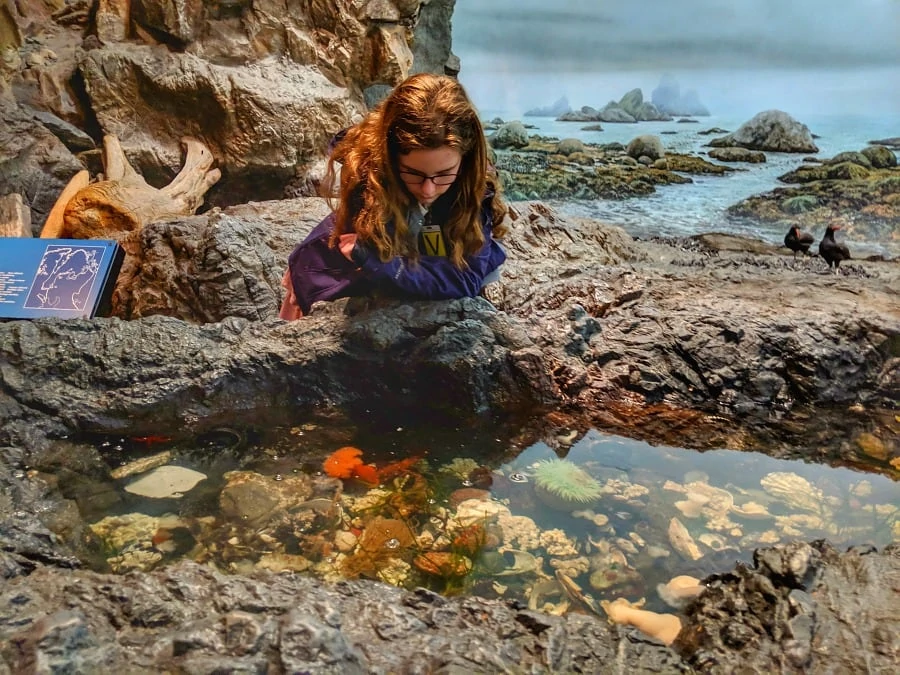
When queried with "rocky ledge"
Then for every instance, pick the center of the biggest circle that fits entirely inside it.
(801, 608)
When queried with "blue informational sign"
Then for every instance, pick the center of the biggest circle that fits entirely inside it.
(68, 278)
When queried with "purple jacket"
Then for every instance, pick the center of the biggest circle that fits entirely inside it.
(320, 272)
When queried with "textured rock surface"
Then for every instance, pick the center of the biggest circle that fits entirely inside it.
(802, 608)
(190, 619)
(770, 130)
(263, 88)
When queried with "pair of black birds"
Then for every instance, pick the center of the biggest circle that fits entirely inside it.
(832, 251)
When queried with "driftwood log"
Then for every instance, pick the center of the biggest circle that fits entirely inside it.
(124, 201)
(53, 226)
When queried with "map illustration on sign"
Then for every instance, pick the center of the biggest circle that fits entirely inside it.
(65, 277)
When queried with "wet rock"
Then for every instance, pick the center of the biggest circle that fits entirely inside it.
(771, 130)
(794, 612)
(60, 641)
(737, 155)
(187, 617)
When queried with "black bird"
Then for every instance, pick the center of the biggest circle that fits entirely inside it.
(833, 251)
(797, 241)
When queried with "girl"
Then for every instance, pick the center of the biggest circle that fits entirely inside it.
(418, 209)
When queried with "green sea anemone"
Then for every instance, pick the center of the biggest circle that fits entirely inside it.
(562, 485)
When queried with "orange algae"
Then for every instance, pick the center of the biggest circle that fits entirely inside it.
(343, 462)
(397, 468)
(367, 474)
(347, 462)
(382, 540)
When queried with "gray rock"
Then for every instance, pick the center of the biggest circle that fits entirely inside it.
(853, 157)
(647, 145)
(584, 114)
(509, 135)
(755, 620)
(586, 313)
(771, 131)
(613, 114)
(568, 146)
(260, 124)
(33, 162)
(189, 618)
(737, 154)
(881, 157)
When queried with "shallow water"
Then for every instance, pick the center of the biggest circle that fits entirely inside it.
(621, 539)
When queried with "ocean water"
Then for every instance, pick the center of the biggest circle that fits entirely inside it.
(844, 111)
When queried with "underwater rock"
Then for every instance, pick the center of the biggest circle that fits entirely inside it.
(541, 594)
(166, 482)
(135, 560)
(610, 569)
(479, 511)
(751, 511)
(118, 532)
(573, 567)
(141, 465)
(793, 490)
(518, 532)
(624, 491)
(443, 564)
(395, 572)
(386, 533)
(460, 467)
(692, 507)
(714, 541)
(565, 486)
(613, 578)
(716, 502)
(522, 562)
(461, 495)
(599, 519)
(470, 541)
(345, 541)
(252, 498)
(682, 541)
(557, 543)
(283, 562)
(578, 597)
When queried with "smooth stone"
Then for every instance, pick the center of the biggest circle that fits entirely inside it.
(166, 481)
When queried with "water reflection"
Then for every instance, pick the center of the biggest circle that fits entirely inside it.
(612, 518)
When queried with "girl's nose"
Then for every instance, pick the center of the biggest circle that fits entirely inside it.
(428, 187)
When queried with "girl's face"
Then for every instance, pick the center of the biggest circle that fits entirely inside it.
(427, 174)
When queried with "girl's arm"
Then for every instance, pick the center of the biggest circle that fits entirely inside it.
(434, 277)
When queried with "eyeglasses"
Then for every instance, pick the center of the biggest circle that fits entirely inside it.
(441, 179)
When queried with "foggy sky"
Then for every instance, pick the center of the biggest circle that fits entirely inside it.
(599, 35)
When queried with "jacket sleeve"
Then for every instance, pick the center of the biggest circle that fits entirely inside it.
(436, 277)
